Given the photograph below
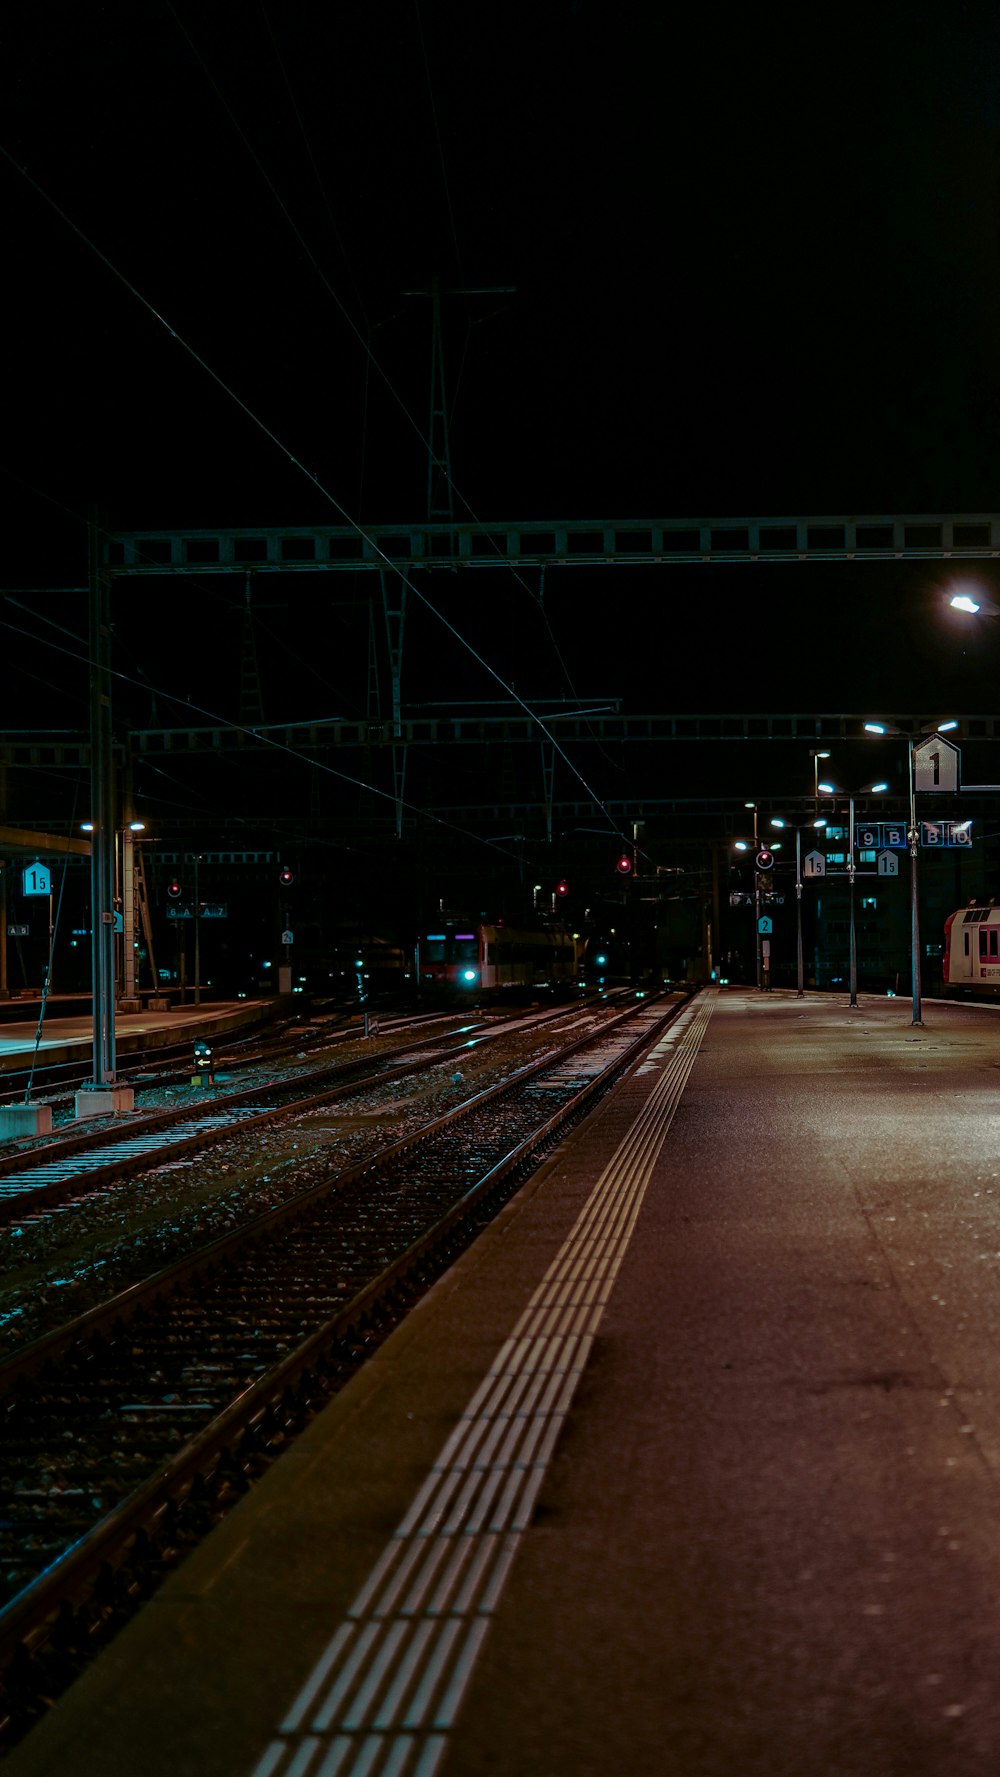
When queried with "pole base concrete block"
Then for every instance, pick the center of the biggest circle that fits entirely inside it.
(104, 1101)
(20, 1120)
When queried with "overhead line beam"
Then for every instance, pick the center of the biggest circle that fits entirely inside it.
(449, 544)
(36, 752)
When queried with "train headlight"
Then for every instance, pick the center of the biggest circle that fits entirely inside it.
(469, 975)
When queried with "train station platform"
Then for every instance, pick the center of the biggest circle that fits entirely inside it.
(688, 1468)
(65, 1038)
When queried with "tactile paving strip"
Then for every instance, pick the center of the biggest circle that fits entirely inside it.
(384, 1695)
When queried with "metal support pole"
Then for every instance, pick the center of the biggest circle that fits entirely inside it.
(758, 940)
(128, 913)
(197, 936)
(394, 611)
(913, 838)
(440, 496)
(147, 924)
(4, 989)
(800, 989)
(102, 851)
(854, 941)
(548, 781)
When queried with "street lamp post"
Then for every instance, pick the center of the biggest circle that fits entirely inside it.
(913, 842)
(853, 949)
(800, 988)
(778, 822)
(818, 753)
(873, 790)
(758, 945)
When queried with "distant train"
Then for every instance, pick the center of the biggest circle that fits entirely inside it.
(972, 949)
(467, 957)
(605, 961)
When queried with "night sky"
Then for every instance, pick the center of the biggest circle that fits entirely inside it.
(755, 270)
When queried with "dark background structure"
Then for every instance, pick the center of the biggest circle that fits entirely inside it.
(699, 265)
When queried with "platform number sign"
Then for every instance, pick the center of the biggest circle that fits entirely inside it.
(37, 880)
(936, 763)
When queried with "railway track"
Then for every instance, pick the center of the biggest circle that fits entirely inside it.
(127, 1431)
(171, 1066)
(81, 1160)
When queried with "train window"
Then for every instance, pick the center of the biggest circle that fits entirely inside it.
(464, 949)
(434, 948)
(966, 937)
(989, 941)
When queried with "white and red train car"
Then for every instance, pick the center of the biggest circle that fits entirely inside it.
(476, 957)
(972, 948)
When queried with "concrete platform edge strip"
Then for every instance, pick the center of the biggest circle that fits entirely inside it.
(384, 1695)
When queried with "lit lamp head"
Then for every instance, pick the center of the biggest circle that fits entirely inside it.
(974, 601)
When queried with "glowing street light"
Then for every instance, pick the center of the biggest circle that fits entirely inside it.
(913, 841)
(820, 821)
(818, 753)
(878, 789)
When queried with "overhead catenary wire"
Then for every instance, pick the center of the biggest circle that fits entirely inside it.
(309, 475)
(371, 361)
(277, 746)
(312, 158)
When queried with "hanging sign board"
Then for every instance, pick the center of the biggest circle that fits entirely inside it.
(36, 880)
(935, 764)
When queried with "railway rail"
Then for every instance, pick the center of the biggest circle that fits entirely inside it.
(64, 1256)
(56, 1083)
(49, 1171)
(129, 1430)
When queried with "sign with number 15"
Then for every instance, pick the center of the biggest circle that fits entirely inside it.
(37, 880)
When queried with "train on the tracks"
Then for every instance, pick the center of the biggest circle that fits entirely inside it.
(971, 962)
(606, 961)
(469, 958)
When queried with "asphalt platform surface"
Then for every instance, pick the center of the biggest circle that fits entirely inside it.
(761, 1535)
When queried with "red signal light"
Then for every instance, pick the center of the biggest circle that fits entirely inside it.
(624, 864)
(562, 886)
(174, 889)
(287, 876)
